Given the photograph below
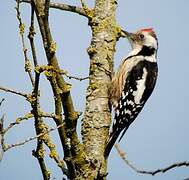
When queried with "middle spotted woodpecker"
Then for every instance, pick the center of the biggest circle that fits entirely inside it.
(134, 82)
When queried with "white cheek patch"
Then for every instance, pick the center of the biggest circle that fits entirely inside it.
(151, 41)
(140, 87)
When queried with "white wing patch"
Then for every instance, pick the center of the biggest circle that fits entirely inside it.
(140, 87)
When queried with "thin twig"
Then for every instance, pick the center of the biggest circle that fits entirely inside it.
(1, 137)
(161, 170)
(28, 116)
(48, 68)
(22, 27)
(64, 7)
(2, 101)
(13, 92)
(83, 4)
(32, 45)
(76, 78)
(31, 36)
(1, 133)
(18, 120)
(7, 147)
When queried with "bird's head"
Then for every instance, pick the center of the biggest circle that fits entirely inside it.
(143, 37)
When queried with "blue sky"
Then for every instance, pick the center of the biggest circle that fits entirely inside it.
(159, 135)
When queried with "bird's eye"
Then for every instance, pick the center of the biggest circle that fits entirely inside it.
(141, 36)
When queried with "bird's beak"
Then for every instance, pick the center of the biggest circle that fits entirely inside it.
(128, 35)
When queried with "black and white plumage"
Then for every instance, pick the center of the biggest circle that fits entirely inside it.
(134, 82)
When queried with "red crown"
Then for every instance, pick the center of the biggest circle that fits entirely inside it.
(147, 30)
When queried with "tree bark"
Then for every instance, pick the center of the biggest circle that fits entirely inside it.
(97, 117)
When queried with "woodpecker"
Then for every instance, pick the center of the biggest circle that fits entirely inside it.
(134, 82)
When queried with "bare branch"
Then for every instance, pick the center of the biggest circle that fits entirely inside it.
(39, 154)
(64, 7)
(22, 28)
(88, 11)
(43, 68)
(13, 92)
(2, 101)
(76, 78)
(7, 147)
(161, 170)
(31, 36)
(18, 120)
(28, 116)
(1, 133)
(32, 45)
(83, 4)
(1, 137)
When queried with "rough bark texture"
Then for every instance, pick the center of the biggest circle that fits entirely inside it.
(97, 117)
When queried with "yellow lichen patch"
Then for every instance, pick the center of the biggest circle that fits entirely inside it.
(28, 66)
(67, 88)
(80, 158)
(63, 72)
(102, 26)
(61, 164)
(31, 98)
(48, 74)
(40, 112)
(93, 86)
(48, 173)
(53, 47)
(28, 115)
(75, 115)
(57, 117)
(118, 31)
(78, 114)
(45, 138)
(39, 69)
(49, 67)
(22, 28)
(53, 154)
(50, 144)
(18, 120)
(41, 152)
(89, 12)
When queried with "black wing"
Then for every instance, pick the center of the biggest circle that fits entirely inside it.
(139, 85)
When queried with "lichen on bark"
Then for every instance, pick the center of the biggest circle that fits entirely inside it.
(97, 116)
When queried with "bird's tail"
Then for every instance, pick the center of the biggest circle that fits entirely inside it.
(113, 137)
(111, 142)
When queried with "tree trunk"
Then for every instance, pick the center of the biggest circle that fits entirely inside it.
(97, 117)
